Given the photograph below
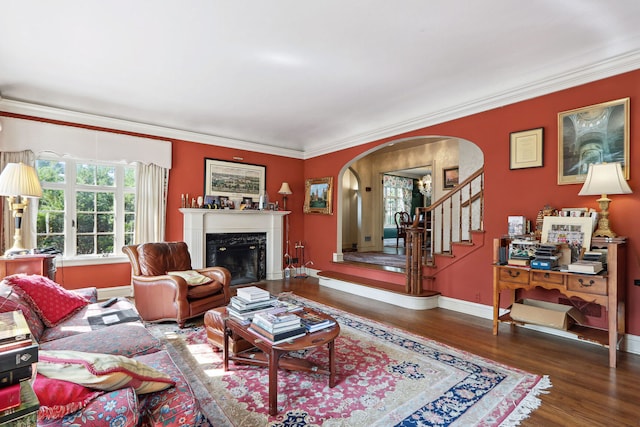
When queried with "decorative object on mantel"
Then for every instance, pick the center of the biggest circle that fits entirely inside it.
(19, 182)
(603, 179)
(285, 190)
(594, 134)
(318, 195)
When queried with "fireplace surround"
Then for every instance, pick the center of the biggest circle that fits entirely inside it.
(200, 222)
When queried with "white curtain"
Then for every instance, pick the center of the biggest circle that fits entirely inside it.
(151, 203)
(29, 220)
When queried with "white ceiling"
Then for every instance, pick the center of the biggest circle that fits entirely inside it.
(303, 78)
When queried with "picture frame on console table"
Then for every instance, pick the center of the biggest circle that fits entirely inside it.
(234, 180)
(575, 232)
(594, 134)
(318, 195)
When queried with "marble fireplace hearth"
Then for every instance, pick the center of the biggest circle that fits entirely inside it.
(200, 222)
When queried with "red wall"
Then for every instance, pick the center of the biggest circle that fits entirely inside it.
(511, 192)
(508, 192)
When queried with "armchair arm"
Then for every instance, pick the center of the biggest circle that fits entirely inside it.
(147, 290)
(222, 275)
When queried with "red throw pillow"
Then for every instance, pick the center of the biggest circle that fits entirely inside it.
(52, 302)
(58, 398)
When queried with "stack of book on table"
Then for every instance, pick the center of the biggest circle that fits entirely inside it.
(252, 300)
(18, 353)
(313, 322)
(248, 302)
(277, 325)
(585, 267)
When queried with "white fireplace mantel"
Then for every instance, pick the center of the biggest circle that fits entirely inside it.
(199, 222)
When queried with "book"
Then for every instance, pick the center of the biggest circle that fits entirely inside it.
(9, 397)
(253, 293)
(271, 328)
(28, 405)
(313, 322)
(15, 344)
(272, 342)
(519, 262)
(279, 316)
(588, 267)
(241, 305)
(19, 357)
(246, 315)
(14, 376)
(296, 332)
(13, 327)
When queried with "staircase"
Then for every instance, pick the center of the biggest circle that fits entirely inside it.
(445, 232)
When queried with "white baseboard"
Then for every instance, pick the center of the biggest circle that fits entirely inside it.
(630, 343)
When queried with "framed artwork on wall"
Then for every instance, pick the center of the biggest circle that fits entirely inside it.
(318, 195)
(450, 177)
(594, 134)
(233, 180)
(526, 149)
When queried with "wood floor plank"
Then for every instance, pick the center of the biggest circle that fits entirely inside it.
(585, 392)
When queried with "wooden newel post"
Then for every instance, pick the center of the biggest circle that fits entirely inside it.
(414, 243)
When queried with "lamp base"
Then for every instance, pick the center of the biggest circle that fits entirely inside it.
(603, 229)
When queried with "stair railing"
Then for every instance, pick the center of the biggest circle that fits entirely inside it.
(451, 218)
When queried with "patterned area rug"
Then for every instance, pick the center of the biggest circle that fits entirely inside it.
(385, 377)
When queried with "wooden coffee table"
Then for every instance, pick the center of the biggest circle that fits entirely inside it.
(272, 355)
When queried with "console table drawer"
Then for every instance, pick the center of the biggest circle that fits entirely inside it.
(587, 284)
(514, 275)
(544, 277)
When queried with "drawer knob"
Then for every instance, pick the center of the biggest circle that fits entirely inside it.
(585, 285)
(514, 273)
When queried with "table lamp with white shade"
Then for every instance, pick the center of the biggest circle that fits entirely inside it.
(19, 182)
(603, 179)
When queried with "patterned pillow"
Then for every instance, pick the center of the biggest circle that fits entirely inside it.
(52, 302)
(58, 398)
(11, 301)
(102, 371)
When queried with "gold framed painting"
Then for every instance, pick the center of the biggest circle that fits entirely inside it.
(594, 134)
(318, 195)
(526, 149)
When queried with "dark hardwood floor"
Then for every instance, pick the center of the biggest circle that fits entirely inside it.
(585, 392)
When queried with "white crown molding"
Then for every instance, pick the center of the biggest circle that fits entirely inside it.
(596, 71)
(52, 113)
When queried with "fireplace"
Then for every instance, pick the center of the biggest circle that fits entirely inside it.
(198, 223)
(243, 254)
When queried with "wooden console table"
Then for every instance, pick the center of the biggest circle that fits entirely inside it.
(42, 264)
(607, 290)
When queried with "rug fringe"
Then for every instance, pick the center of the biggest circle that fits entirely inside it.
(529, 404)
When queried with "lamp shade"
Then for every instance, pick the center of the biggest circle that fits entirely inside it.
(285, 189)
(18, 179)
(604, 178)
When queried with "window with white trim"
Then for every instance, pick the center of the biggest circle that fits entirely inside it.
(87, 208)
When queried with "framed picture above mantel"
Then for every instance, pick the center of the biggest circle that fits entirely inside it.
(233, 180)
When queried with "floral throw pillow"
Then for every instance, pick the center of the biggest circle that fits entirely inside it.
(52, 302)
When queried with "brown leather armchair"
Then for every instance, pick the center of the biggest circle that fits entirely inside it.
(162, 296)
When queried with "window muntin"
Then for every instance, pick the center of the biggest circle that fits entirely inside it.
(87, 208)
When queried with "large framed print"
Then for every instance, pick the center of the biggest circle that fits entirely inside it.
(594, 134)
(318, 195)
(233, 180)
(525, 149)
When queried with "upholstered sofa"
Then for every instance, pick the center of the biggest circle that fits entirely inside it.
(166, 287)
(62, 320)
